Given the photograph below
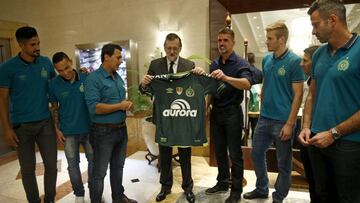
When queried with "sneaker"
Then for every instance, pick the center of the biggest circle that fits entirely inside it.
(79, 199)
(255, 195)
(216, 189)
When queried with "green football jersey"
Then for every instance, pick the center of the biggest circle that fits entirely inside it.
(179, 105)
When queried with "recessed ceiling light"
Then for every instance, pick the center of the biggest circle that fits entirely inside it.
(257, 27)
(254, 17)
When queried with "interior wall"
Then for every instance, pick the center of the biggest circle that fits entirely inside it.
(62, 24)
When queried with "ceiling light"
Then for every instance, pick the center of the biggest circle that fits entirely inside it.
(257, 27)
(254, 17)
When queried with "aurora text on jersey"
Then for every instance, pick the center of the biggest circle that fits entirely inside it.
(180, 112)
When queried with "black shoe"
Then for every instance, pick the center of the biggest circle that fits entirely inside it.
(190, 197)
(125, 199)
(216, 189)
(255, 195)
(233, 199)
(162, 194)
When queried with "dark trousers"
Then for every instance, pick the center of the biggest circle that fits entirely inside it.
(43, 134)
(166, 175)
(109, 146)
(226, 129)
(336, 171)
(305, 159)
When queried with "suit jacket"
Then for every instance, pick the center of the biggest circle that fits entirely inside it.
(159, 66)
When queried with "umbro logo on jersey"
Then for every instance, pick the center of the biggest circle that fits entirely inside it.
(179, 108)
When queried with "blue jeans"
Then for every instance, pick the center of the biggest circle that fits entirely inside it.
(336, 172)
(267, 132)
(43, 134)
(72, 145)
(109, 145)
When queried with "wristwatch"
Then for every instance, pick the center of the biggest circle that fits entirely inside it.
(335, 134)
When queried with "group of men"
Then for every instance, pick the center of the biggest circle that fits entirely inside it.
(90, 110)
(330, 132)
(87, 110)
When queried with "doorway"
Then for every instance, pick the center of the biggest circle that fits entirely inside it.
(5, 54)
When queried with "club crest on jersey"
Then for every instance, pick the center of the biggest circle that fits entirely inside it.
(169, 90)
(190, 92)
(343, 65)
(281, 71)
(179, 90)
(44, 73)
(81, 88)
(179, 108)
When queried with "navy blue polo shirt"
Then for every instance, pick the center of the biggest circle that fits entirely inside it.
(337, 79)
(73, 113)
(279, 74)
(101, 88)
(235, 67)
(28, 85)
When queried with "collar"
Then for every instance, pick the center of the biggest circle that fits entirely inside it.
(351, 41)
(26, 62)
(282, 55)
(232, 57)
(175, 62)
(105, 73)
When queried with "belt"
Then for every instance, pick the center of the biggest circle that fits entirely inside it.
(111, 125)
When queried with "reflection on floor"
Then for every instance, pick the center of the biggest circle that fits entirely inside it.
(144, 191)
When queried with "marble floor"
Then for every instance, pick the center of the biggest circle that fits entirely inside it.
(144, 190)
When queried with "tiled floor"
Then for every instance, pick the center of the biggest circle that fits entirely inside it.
(145, 190)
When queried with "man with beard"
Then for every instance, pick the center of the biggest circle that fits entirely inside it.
(23, 82)
(332, 116)
(226, 121)
(280, 101)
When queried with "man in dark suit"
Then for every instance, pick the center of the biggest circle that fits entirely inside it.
(171, 63)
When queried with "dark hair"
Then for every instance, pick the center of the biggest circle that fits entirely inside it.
(25, 33)
(310, 50)
(228, 31)
(251, 57)
(59, 56)
(328, 7)
(108, 49)
(171, 37)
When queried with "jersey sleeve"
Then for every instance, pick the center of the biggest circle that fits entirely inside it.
(297, 73)
(211, 85)
(52, 97)
(4, 77)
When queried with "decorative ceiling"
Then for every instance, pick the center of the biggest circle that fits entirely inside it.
(251, 18)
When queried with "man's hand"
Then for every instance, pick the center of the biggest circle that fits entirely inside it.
(60, 137)
(127, 105)
(146, 80)
(286, 132)
(218, 74)
(322, 140)
(10, 137)
(84, 70)
(198, 71)
(304, 137)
